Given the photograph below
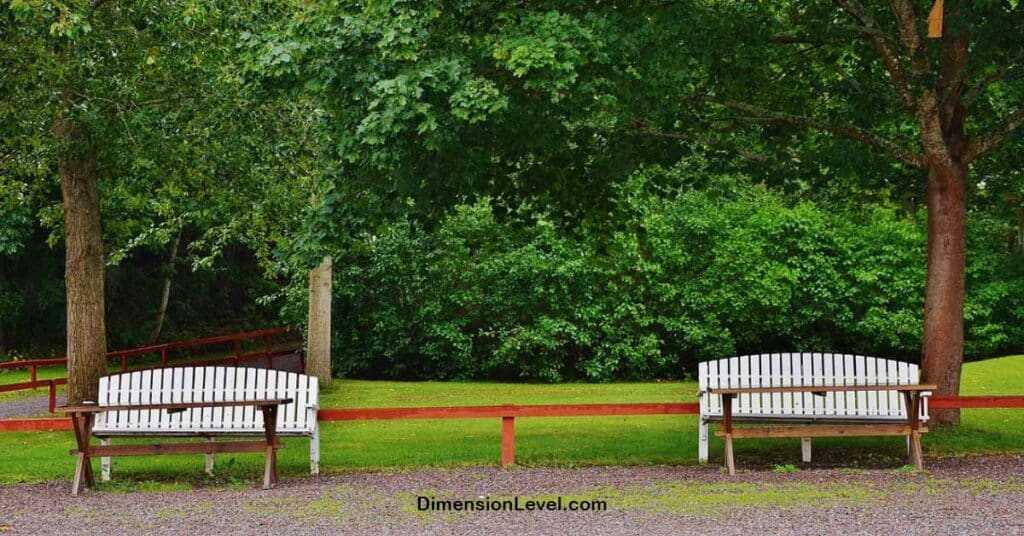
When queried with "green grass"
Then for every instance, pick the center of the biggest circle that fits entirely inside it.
(570, 441)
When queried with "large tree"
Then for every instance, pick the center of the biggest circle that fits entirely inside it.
(871, 74)
(137, 109)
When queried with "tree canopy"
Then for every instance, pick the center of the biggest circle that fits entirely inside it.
(540, 190)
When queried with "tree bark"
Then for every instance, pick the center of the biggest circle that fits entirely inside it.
(86, 328)
(165, 294)
(318, 342)
(3, 290)
(943, 348)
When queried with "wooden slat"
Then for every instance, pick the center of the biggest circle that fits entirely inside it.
(829, 378)
(174, 406)
(713, 381)
(835, 430)
(861, 375)
(206, 447)
(775, 380)
(824, 389)
(743, 401)
(872, 377)
(802, 377)
(786, 380)
(755, 381)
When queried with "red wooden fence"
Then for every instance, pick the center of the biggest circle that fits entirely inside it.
(268, 354)
(508, 413)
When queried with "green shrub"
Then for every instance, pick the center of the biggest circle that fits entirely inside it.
(672, 276)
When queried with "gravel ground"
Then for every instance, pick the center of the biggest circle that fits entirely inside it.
(32, 406)
(957, 496)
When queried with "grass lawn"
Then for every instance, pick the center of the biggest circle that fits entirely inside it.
(42, 456)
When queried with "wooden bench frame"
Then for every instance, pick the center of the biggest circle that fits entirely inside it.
(827, 393)
(83, 418)
(912, 428)
(180, 385)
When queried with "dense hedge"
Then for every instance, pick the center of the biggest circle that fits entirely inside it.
(676, 274)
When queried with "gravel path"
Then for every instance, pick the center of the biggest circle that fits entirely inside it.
(33, 406)
(958, 496)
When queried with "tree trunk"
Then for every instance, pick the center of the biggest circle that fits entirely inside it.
(165, 294)
(3, 290)
(943, 348)
(86, 329)
(318, 342)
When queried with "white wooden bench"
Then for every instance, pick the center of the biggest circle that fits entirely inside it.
(796, 370)
(207, 384)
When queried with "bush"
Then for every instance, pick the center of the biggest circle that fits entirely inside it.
(674, 275)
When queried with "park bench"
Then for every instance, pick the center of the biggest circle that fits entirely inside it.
(809, 395)
(206, 402)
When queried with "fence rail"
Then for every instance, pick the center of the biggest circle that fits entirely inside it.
(268, 354)
(508, 413)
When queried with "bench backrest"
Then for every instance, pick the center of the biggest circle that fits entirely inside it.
(203, 384)
(801, 369)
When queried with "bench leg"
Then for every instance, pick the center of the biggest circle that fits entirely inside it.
(76, 484)
(314, 452)
(729, 462)
(702, 442)
(209, 460)
(105, 462)
(916, 458)
(805, 449)
(83, 468)
(268, 469)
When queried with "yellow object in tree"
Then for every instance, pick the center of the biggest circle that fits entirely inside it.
(935, 20)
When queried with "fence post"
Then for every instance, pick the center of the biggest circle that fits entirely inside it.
(124, 363)
(238, 350)
(266, 351)
(318, 338)
(32, 373)
(508, 440)
(53, 396)
(163, 357)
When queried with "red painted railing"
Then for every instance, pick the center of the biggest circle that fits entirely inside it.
(508, 413)
(268, 354)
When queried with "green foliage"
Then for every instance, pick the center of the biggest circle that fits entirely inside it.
(530, 191)
(684, 275)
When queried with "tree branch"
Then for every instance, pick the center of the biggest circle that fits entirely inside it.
(906, 21)
(795, 39)
(983, 144)
(642, 128)
(853, 132)
(890, 60)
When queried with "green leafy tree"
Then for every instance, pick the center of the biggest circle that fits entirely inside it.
(136, 109)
